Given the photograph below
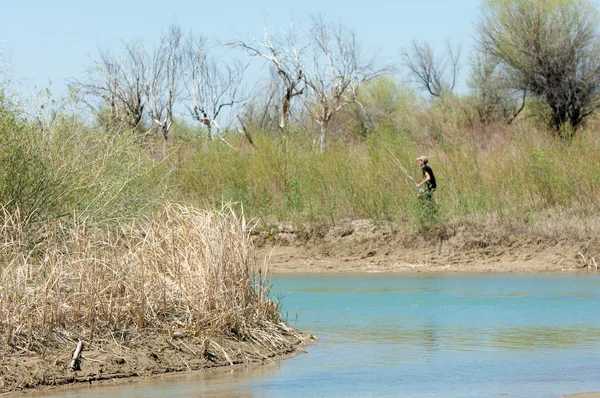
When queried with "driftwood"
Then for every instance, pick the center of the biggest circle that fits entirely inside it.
(75, 361)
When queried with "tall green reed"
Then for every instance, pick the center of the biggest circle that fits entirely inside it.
(523, 170)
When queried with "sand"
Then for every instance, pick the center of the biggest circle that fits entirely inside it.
(360, 246)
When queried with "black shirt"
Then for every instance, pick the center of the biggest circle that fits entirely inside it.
(431, 183)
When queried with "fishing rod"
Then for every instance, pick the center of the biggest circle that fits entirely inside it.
(399, 164)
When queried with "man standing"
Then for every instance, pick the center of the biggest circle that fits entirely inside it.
(428, 208)
(428, 177)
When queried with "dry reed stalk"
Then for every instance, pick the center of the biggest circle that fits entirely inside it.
(182, 268)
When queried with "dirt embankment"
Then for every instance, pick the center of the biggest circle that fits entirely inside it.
(363, 246)
(145, 357)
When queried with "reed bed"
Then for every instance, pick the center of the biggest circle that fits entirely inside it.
(178, 271)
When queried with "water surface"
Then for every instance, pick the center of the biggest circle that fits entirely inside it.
(397, 335)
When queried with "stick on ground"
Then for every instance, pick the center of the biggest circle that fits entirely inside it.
(75, 361)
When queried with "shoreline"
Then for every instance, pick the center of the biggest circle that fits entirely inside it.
(303, 260)
(363, 246)
(171, 293)
(152, 358)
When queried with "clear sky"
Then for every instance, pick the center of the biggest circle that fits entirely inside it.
(57, 40)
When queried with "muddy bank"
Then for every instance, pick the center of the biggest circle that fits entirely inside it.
(364, 246)
(109, 361)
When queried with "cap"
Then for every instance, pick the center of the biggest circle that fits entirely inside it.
(423, 158)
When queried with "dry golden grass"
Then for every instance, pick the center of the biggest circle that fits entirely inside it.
(181, 270)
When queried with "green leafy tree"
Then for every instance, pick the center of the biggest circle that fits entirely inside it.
(494, 99)
(551, 49)
(386, 102)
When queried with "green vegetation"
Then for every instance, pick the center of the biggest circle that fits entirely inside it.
(101, 232)
(510, 174)
(549, 48)
(64, 169)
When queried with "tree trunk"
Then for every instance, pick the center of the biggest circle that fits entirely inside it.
(323, 137)
(208, 128)
(164, 148)
(285, 109)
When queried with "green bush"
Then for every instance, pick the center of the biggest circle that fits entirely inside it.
(67, 169)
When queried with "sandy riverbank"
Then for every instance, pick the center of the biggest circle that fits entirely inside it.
(360, 246)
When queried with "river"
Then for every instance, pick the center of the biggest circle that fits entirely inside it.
(399, 335)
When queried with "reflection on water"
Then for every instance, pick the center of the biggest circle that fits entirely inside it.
(503, 338)
(522, 338)
(419, 336)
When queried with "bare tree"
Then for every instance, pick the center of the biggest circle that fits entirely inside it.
(285, 55)
(211, 85)
(115, 87)
(162, 87)
(262, 110)
(435, 75)
(336, 73)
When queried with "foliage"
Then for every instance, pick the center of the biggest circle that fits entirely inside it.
(65, 169)
(495, 100)
(550, 48)
(388, 103)
(503, 172)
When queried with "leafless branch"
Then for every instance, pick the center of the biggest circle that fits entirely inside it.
(163, 85)
(336, 73)
(435, 75)
(114, 89)
(211, 85)
(285, 55)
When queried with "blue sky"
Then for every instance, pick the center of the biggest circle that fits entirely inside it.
(52, 41)
(57, 40)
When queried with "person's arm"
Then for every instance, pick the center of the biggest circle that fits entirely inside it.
(427, 178)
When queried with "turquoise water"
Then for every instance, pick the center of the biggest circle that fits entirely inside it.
(396, 335)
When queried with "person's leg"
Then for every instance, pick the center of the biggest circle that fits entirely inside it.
(430, 206)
